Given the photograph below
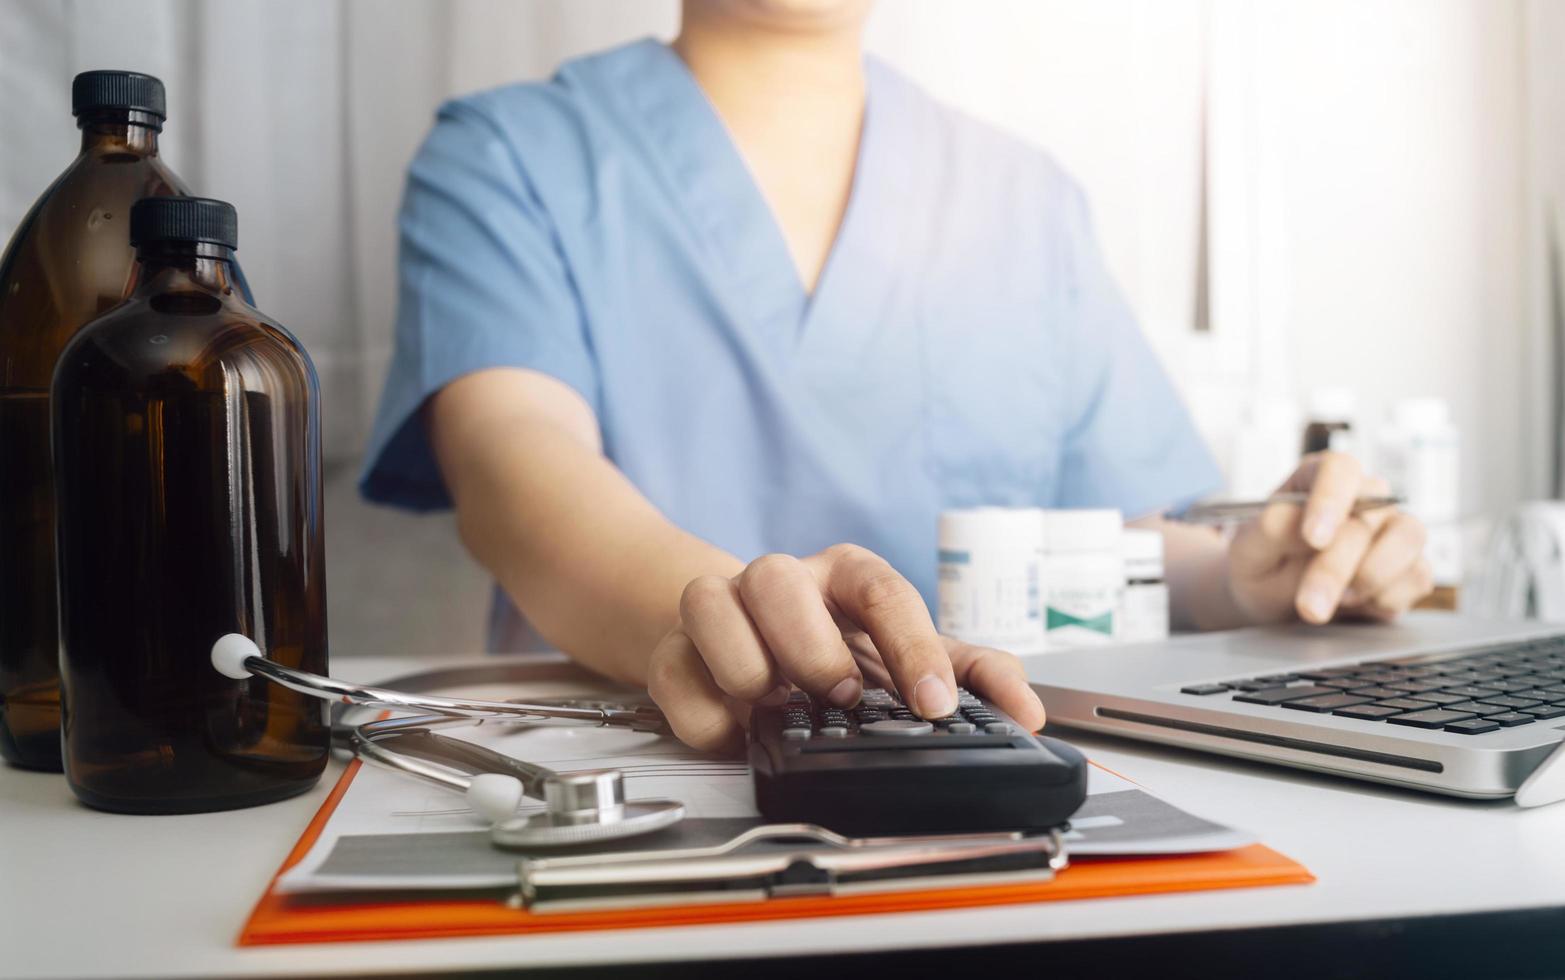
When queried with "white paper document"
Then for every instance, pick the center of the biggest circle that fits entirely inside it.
(391, 832)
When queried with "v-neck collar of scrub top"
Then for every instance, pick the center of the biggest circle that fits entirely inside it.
(729, 212)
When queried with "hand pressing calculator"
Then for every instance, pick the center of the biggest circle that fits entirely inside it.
(879, 769)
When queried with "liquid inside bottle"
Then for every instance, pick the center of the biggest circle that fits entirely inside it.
(69, 261)
(187, 475)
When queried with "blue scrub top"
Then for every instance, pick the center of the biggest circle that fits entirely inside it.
(965, 344)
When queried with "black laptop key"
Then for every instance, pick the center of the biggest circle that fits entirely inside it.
(1510, 719)
(1279, 678)
(1204, 689)
(1465, 677)
(1438, 697)
(1376, 692)
(1323, 703)
(1416, 686)
(1510, 702)
(1510, 687)
(1341, 683)
(1473, 726)
(1403, 704)
(1433, 718)
(1252, 685)
(1535, 680)
(1544, 711)
(1367, 712)
(1380, 677)
(1326, 673)
(1483, 677)
(1278, 695)
(1474, 691)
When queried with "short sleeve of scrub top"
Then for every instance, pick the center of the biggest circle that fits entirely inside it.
(965, 344)
(480, 285)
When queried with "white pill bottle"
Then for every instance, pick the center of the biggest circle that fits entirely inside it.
(991, 577)
(1143, 606)
(1083, 576)
(1420, 456)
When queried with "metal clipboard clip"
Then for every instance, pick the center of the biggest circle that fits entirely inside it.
(781, 860)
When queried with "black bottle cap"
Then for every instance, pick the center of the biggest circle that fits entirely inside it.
(183, 219)
(117, 90)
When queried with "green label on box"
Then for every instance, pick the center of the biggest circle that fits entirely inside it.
(1098, 624)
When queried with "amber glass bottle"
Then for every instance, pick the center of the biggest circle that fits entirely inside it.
(187, 464)
(69, 261)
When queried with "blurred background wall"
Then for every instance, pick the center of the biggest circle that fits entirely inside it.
(1294, 195)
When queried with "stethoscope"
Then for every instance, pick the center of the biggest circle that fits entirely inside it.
(581, 807)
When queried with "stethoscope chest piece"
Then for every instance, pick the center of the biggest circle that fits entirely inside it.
(586, 807)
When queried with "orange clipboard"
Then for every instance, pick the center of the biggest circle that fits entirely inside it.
(282, 919)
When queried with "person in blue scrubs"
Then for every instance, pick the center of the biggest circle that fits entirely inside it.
(700, 339)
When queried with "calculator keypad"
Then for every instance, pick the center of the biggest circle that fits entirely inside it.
(880, 713)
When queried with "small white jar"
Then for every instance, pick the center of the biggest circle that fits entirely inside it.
(1083, 576)
(1143, 606)
(991, 575)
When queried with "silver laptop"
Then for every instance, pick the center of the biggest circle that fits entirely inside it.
(1435, 701)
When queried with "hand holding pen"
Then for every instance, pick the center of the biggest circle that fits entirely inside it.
(1329, 542)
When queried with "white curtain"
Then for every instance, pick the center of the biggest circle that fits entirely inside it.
(304, 114)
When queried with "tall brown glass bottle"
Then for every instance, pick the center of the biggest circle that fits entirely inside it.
(69, 261)
(187, 463)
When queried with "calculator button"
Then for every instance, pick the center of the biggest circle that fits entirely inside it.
(961, 728)
(896, 726)
(796, 734)
(997, 728)
(834, 731)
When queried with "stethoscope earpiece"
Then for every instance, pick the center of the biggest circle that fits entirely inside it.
(230, 652)
(494, 796)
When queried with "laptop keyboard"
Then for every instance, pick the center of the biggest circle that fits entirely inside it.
(1469, 693)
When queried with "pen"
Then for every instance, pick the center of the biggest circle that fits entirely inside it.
(1233, 511)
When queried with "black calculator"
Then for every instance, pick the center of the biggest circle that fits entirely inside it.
(878, 769)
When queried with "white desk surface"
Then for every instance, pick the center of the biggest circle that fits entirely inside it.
(84, 893)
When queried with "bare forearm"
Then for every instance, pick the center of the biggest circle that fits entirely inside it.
(588, 560)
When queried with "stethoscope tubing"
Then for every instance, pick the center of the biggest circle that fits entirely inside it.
(636, 717)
